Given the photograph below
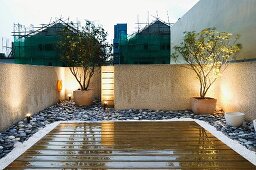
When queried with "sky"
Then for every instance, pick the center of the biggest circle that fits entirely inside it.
(103, 12)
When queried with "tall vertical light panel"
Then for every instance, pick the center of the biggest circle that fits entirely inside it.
(107, 86)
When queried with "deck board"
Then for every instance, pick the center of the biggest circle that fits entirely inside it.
(130, 145)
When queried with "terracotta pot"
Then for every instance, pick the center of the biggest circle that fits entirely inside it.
(83, 97)
(203, 106)
(234, 118)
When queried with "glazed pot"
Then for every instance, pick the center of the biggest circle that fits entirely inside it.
(83, 97)
(234, 118)
(203, 105)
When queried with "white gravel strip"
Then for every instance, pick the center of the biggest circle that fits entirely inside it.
(20, 148)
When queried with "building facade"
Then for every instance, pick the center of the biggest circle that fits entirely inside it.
(120, 34)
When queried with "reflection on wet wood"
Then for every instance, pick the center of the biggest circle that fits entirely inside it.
(130, 145)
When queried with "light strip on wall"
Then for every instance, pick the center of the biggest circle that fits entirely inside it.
(107, 85)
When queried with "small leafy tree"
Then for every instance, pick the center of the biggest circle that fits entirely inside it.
(82, 49)
(207, 53)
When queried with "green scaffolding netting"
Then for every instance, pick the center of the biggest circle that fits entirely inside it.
(39, 48)
(145, 49)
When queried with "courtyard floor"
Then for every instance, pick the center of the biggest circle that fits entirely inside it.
(14, 137)
(130, 145)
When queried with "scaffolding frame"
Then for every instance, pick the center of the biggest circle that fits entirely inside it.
(38, 45)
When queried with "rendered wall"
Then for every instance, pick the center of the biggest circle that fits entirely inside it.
(237, 89)
(27, 89)
(167, 87)
(235, 16)
(170, 87)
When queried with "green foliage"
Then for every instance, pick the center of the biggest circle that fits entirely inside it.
(207, 53)
(83, 49)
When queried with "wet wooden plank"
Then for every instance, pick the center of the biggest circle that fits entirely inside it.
(106, 164)
(99, 146)
(130, 145)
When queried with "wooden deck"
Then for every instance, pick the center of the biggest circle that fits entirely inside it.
(130, 145)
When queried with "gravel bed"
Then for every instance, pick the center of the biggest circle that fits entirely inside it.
(67, 110)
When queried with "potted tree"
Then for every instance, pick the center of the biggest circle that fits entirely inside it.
(207, 53)
(82, 50)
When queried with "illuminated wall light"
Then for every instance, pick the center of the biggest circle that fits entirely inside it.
(105, 105)
(61, 76)
(70, 82)
(59, 85)
(229, 99)
(69, 96)
(68, 93)
(28, 116)
(226, 94)
(107, 86)
(16, 96)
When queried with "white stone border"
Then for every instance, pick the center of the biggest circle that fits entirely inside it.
(235, 145)
(20, 148)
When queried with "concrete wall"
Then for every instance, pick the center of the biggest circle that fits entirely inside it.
(167, 87)
(170, 87)
(235, 16)
(29, 89)
(237, 90)
(26, 89)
